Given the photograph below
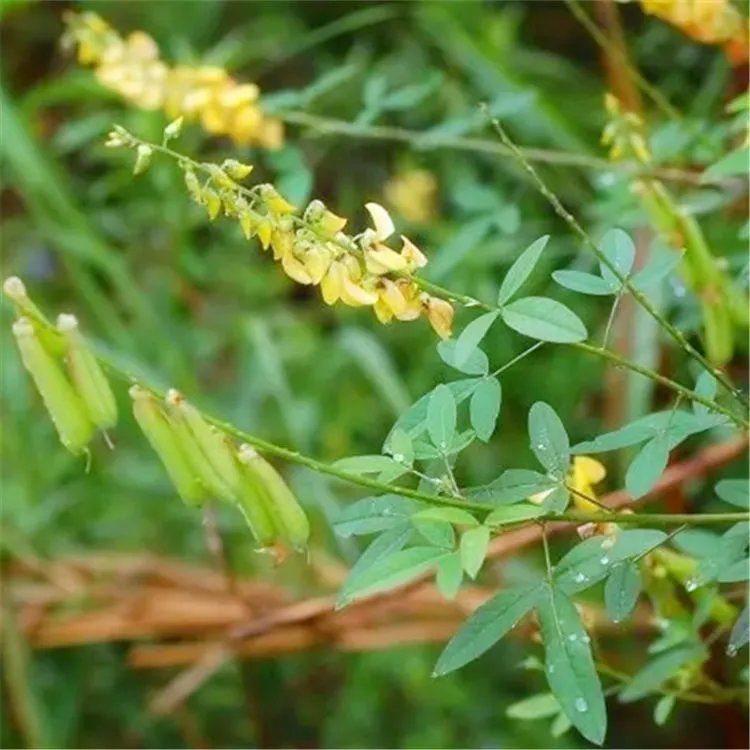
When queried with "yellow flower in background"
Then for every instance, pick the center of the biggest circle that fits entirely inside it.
(706, 21)
(413, 193)
(585, 473)
(206, 94)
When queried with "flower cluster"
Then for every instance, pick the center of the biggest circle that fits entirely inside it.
(131, 66)
(706, 21)
(311, 246)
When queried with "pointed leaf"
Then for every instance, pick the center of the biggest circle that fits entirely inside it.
(544, 319)
(621, 590)
(549, 441)
(647, 466)
(484, 407)
(449, 575)
(487, 626)
(400, 447)
(437, 533)
(662, 263)
(570, 669)
(373, 514)
(538, 706)
(585, 283)
(441, 417)
(473, 549)
(520, 270)
(620, 251)
(476, 363)
(659, 670)
(470, 337)
(392, 571)
(511, 486)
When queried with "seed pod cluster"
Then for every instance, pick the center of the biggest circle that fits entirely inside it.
(77, 395)
(203, 464)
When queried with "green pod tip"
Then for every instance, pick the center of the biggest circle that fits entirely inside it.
(87, 375)
(254, 503)
(63, 404)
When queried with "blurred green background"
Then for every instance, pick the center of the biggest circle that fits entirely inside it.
(194, 306)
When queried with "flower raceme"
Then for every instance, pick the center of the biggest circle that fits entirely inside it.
(131, 66)
(358, 270)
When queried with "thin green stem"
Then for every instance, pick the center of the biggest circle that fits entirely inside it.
(641, 298)
(518, 358)
(424, 140)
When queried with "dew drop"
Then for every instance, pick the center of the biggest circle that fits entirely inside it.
(586, 639)
(572, 637)
(731, 651)
(551, 668)
(581, 705)
(539, 446)
(398, 458)
(580, 578)
(604, 561)
(692, 584)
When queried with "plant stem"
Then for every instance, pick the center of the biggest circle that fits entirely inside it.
(641, 298)
(424, 140)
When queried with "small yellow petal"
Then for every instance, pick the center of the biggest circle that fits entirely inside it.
(382, 221)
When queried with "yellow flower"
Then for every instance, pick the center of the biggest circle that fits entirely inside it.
(413, 194)
(131, 66)
(440, 315)
(585, 473)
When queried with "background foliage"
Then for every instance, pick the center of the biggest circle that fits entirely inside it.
(195, 307)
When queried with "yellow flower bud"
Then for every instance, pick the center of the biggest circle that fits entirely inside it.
(440, 315)
(282, 242)
(295, 269)
(274, 202)
(413, 256)
(212, 201)
(87, 375)
(142, 158)
(63, 404)
(333, 283)
(167, 445)
(317, 261)
(382, 312)
(264, 230)
(174, 129)
(355, 295)
(585, 473)
(392, 297)
(235, 169)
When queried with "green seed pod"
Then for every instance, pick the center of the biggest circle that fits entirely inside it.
(253, 500)
(65, 408)
(205, 449)
(15, 290)
(167, 446)
(87, 375)
(285, 512)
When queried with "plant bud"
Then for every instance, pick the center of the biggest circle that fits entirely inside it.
(236, 169)
(275, 203)
(440, 315)
(87, 375)
(206, 448)
(193, 185)
(253, 500)
(382, 260)
(174, 129)
(15, 290)
(284, 510)
(381, 220)
(63, 404)
(167, 446)
(210, 198)
(143, 156)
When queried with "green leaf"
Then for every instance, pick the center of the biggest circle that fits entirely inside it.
(731, 549)
(441, 417)
(735, 572)
(511, 486)
(630, 434)
(373, 514)
(473, 549)
(663, 709)
(733, 164)
(544, 319)
(470, 337)
(549, 440)
(538, 706)
(392, 571)
(414, 420)
(740, 634)
(705, 386)
(514, 513)
(734, 491)
(380, 548)
(560, 725)
(520, 270)
(462, 440)
(437, 533)
(557, 500)
(487, 626)
(662, 263)
(400, 447)
(697, 542)
(620, 251)
(366, 464)
(621, 590)
(455, 516)
(585, 283)
(570, 668)
(659, 670)
(449, 575)
(484, 407)
(647, 466)
(592, 560)
(476, 363)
